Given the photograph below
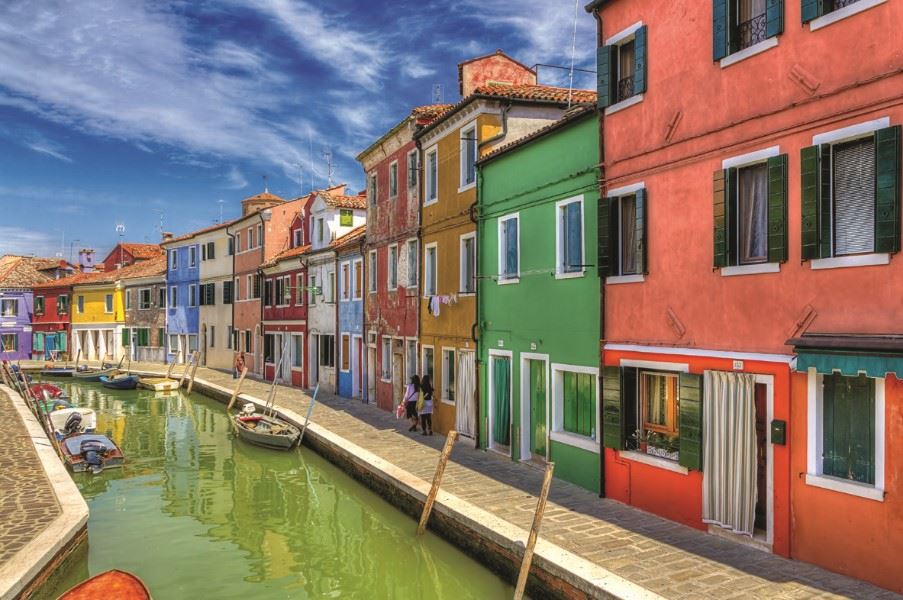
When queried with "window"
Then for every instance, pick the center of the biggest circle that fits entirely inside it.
(62, 304)
(286, 290)
(230, 337)
(509, 248)
(299, 289)
(297, 238)
(319, 230)
(212, 337)
(268, 348)
(192, 342)
(468, 156)
(622, 67)
(346, 282)
(371, 272)
(393, 267)
(237, 290)
(327, 350)
(238, 241)
(192, 256)
(108, 303)
(211, 250)
(430, 283)
(412, 168)
(173, 260)
(427, 363)
(371, 189)
(203, 252)
(128, 299)
(358, 279)
(574, 390)
(173, 296)
(10, 342)
(231, 247)
(741, 24)
(192, 295)
(393, 180)
(346, 352)
(81, 304)
(39, 305)
(624, 238)
(468, 265)
(312, 288)
(256, 282)
(251, 243)
(386, 348)
(413, 263)
(410, 358)
(247, 341)
(297, 351)
(448, 375)
(850, 193)
(144, 299)
(161, 297)
(274, 298)
(9, 308)
(346, 217)
(330, 287)
(227, 292)
(259, 235)
(570, 238)
(813, 10)
(432, 177)
(143, 336)
(173, 344)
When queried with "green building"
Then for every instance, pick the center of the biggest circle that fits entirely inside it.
(538, 299)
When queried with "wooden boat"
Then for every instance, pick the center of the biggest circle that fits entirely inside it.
(158, 384)
(94, 375)
(110, 584)
(48, 406)
(265, 430)
(58, 371)
(119, 382)
(64, 424)
(91, 452)
(47, 391)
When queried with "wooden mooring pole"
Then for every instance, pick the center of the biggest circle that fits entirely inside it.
(534, 533)
(169, 370)
(437, 480)
(187, 368)
(194, 372)
(235, 393)
(310, 409)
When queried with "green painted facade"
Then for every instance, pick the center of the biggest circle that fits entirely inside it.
(539, 330)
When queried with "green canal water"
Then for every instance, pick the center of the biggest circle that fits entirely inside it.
(197, 513)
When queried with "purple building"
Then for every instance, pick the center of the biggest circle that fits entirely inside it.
(18, 274)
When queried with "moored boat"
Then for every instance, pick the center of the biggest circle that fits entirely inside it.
(47, 391)
(72, 421)
(94, 375)
(58, 371)
(119, 382)
(265, 430)
(51, 405)
(109, 584)
(91, 452)
(158, 384)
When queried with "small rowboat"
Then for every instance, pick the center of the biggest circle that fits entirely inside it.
(119, 382)
(94, 375)
(58, 372)
(47, 391)
(110, 584)
(48, 406)
(91, 452)
(263, 430)
(159, 384)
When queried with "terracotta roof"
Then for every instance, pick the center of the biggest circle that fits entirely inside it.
(349, 238)
(574, 114)
(498, 52)
(422, 115)
(145, 268)
(286, 254)
(188, 236)
(46, 264)
(525, 93)
(263, 196)
(430, 111)
(20, 272)
(358, 202)
(143, 251)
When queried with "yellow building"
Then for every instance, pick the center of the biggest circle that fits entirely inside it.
(98, 315)
(501, 104)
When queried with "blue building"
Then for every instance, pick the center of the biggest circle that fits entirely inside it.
(350, 313)
(183, 298)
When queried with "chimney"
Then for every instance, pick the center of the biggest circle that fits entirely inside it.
(167, 236)
(86, 260)
(493, 68)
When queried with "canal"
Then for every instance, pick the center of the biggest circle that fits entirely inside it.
(197, 513)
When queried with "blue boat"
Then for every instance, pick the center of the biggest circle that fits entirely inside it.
(119, 382)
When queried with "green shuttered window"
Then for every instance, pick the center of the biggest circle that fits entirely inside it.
(621, 68)
(739, 24)
(126, 336)
(850, 196)
(579, 403)
(848, 428)
(622, 231)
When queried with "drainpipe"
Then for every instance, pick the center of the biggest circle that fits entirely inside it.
(601, 166)
(232, 283)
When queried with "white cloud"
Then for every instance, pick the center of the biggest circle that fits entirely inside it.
(235, 180)
(19, 240)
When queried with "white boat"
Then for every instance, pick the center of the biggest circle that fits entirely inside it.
(159, 384)
(87, 422)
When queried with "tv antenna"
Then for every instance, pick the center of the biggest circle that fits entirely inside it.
(438, 95)
(160, 212)
(327, 155)
(220, 202)
(265, 188)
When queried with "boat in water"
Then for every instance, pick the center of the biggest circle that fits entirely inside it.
(91, 452)
(47, 391)
(73, 421)
(120, 585)
(159, 384)
(52, 404)
(58, 371)
(119, 382)
(94, 375)
(268, 431)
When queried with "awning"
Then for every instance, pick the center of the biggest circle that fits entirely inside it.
(849, 354)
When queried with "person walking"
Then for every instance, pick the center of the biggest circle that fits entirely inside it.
(426, 412)
(411, 394)
(239, 365)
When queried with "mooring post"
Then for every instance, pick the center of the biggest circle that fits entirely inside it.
(534, 533)
(169, 370)
(241, 380)
(194, 372)
(310, 409)
(187, 368)
(437, 480)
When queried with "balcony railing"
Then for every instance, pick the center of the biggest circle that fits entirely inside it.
(752, 31)
(625, 88)
(842, 3)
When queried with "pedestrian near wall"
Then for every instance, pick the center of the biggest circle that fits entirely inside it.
(239, 365)
(426, 412)
(411, 394)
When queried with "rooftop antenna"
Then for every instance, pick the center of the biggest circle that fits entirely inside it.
(327, 155)
(438, 96)
(160, 212)
(120, 229)
(573, 54)
(220, 202)
(266, 189)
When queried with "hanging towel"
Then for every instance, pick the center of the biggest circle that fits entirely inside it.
(434, 306)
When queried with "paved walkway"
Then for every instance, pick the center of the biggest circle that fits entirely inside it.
(664, 557)
(28, 503)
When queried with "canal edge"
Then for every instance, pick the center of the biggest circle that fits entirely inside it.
(22, 574)
(555, 572)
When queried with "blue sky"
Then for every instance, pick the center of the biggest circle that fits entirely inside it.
(120, 111)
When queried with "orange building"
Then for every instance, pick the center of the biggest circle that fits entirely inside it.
(751, 206)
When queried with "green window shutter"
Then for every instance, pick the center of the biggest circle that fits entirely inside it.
(37, 342)
(604, 62)
(161, 337)
(825, 225)
(810, 199)
(887, 189)
(61, 341)
(777, 208)
(774, 17)
(639, 61)
(641, 230)
(719, 212)
(612, 428)
(690, 421)
(862, 429)
(812, 9)
(719, 29)
(603, 250)
(144, 337)
(125, 336)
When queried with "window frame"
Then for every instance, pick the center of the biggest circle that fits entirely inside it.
(393, 180)
(372, 188)
(14, 302)
(473, 263)
(443, 389)
(192, 295)
(413, 168)
(299, 289)
(560, 273)
(42, 300)
(192, 257)
(150, 299)
(503, 277)
(109, 304)
(173, 260)
(413, 264)
(391, 268)
(430, 274)
(294, 352)
(385, 355)
(463, 141)
(372, 270)
(556, 418)
(431, 178)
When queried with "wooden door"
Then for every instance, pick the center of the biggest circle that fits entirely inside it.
(538, 428)
(397, 378)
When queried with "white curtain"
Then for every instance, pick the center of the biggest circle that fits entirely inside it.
(465, 387)
(729, 451)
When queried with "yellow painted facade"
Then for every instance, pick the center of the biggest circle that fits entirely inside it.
(97, 332)
(95, 304)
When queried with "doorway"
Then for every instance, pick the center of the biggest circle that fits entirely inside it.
(465, 394)
(314, 360)
(397, 378)
(500, 401)
(534, 407)
(371, 374)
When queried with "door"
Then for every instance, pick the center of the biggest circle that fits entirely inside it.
(371, 375)
(358, 371)
(761, 457)
(538, 429)
(397, 378)
(203, 347)
(465, 397)
(314, 360)
(501, 402)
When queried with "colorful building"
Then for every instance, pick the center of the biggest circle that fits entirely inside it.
(501, 103)
(18, 275)
(752, 357)
(145, 289)
(350, 312)
(392, 250)
(97, 315)
(183, 271)
(51, 320)
(125, 254)
(538, 298)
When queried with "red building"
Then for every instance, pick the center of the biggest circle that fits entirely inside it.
(50, 324)
(751, 219)
(392, 247)
(125, 254)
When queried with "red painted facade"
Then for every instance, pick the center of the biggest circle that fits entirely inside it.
(694, 115)
(52, 320)
(125, 254)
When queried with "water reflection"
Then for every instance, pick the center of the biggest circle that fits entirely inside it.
(198, 513)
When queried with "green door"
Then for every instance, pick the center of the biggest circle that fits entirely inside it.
(538, 408)
(501, 401)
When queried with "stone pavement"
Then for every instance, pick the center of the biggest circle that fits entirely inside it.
(664, 557)
(28, 503)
